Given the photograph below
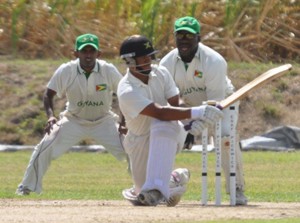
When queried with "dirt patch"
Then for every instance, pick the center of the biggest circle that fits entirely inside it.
(73, 211)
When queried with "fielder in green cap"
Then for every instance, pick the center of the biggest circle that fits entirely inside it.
(201, 75)
(87, 51)
(88, 84)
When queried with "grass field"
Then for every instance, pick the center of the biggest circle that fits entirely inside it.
(270, 176)
(87, 186)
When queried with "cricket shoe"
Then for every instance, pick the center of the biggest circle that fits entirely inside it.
(241, 199)
(21, 190)
(130, 196)
(150, 198)
(175, 195)
(179, 178)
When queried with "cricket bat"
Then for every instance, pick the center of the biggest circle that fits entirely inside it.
(254, 84)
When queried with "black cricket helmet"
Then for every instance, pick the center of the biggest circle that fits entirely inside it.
(136, 46)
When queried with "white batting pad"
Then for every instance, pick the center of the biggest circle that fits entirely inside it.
(162, 152)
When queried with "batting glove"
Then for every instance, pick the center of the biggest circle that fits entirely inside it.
(209, 114)
(197, 127)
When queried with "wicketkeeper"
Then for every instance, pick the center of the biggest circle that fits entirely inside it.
(201, 75)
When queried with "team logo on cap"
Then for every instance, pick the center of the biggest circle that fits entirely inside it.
(147, 45)
(87, 39)
(186, 22)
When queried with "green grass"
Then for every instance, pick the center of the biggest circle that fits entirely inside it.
(270, 176)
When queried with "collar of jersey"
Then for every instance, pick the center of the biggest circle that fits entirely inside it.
(137, 81)
(197, 54)
(95, 69)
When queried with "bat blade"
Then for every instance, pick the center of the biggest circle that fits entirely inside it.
(254, 84)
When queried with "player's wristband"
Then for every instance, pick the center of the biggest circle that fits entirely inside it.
(197, 112)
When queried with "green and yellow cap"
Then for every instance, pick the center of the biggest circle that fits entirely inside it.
(187, 23)
(86, 40)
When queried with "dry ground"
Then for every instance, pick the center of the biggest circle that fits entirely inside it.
(74, 211)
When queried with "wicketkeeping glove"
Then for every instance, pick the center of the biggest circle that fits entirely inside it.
(189, 141)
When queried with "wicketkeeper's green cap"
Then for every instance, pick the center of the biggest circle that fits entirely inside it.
(86, 40)
(187, 23)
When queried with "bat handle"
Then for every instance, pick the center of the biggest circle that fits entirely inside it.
(213, 103)
(210, 102)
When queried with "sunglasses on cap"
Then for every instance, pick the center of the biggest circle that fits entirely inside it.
(185, 35)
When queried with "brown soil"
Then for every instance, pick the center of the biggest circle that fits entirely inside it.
(73, 211)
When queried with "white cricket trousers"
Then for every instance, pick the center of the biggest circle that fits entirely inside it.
(68, 132)
(138, 150)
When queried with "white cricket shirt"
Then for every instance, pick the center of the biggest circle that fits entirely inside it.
(134, 96)
(205, 78)
(89, 99)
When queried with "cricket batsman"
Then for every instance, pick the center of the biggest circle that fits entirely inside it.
(149, 99)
